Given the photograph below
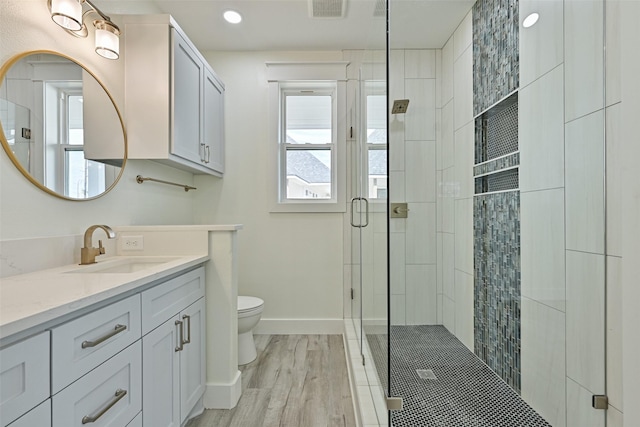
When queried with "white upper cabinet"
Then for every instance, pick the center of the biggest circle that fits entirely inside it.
(174, 102)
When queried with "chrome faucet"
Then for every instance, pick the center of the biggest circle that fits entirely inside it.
(88, 253)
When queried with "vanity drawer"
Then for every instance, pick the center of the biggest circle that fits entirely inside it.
(112, 393)
(40, 416)
(167, 299)
(24, 377)
(82, 344)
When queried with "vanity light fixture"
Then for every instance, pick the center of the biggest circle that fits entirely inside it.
(69, 15)
(530, 20)
(232, 17)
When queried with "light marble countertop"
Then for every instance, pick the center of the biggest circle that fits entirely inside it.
(29, 300)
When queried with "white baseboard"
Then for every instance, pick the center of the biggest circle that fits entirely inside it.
(223, 396)
(300, 327)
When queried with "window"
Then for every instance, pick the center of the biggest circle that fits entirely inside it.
(307, 119)
(307, 142)
(376, 142)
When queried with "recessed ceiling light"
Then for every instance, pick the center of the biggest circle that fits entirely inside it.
(530, 20)
(232, 17)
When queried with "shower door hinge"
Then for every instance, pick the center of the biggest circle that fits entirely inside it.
(363, 360)
(600, 401)
(394, 403)
(351, 132)
(351, 293)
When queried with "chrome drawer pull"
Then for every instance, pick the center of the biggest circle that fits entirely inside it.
(180, 346)
(116, 331)
(188, 319)
(119, 395)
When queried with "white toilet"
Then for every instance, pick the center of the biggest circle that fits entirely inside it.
(249, 312)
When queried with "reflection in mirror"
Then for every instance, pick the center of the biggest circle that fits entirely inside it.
(60, 126)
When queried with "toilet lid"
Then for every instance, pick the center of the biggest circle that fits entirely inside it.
(248, 303)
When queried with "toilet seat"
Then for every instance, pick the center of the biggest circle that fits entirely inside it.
(249, 304)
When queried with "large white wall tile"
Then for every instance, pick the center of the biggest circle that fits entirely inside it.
(396, 143)
(542, 247)
(420, 63)
(541, 132)
(449, 191)
(584, 57)
(584, 163)
(464, 308)
(439, 239)
(613, 51)
(420, 117)
(615, 418)
(346, 297)
(541, 46)
(398, 310)
(543, 360)
(615, 183)
(421, 295)
(396, 74)
(397, 186)
(438, 134)
(421, 171)
(439, 202)
(438, 78)
(447, 135)
(449, 314)
(463, 89)
(464, 235)
(380, 276)
(580, 413)
(397, 259)
(421, 234)
(585, 320)
(447, 72)
(448, 268)
(614, 332)
(463, 36)
(464, 155)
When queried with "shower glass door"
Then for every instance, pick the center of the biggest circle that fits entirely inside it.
(502, 273)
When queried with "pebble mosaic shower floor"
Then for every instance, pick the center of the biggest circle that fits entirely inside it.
(466, 392)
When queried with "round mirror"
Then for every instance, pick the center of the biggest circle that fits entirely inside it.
(60, 126)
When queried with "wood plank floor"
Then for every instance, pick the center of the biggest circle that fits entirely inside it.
(296, 381)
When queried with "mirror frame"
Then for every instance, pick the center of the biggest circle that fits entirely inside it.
(5, 144)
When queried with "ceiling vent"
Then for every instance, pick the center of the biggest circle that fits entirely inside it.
(327, 8)
(381, 8)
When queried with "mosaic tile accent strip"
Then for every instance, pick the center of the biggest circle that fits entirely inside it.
(466, 393)
(499, 181)
(496, 165)
(496, 69)
(496, 230)
(496, 131)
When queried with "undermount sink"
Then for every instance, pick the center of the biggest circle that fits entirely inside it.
(123, 265)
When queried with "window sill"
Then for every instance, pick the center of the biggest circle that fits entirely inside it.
(306, 207)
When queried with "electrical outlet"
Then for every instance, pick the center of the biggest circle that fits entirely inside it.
(132, 243)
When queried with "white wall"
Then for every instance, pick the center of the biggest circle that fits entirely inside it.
(455, 184)
(27, 212)
(294, 261)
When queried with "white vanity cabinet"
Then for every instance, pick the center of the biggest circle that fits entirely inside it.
(40, 416)
(24, 377)
(174, 102)
(174, 365)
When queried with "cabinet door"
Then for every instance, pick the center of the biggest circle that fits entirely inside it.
(161, 376)
(24, 377)
(40, 416)
(192, 358)
(187, 79)
(213, 118)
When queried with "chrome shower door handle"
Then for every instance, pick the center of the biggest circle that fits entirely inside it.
(366, 210)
